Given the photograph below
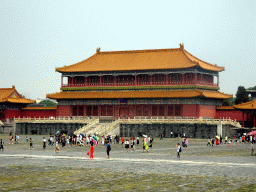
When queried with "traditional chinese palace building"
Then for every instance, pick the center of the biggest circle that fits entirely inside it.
(161, 82)
(13, 104)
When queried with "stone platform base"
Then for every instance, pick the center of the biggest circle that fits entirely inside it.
(46, 128)
(190, 130)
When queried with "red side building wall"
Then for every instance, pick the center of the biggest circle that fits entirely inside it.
(206, 111)
(11, 113)
(232, 114)
(39, 113)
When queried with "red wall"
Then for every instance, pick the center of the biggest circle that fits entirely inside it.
(232, 114)
(39, 113)
(10, 114)
(206, 111)
(189, 110)
(64, 110)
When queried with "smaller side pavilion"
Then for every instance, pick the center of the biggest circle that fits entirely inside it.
(11, 103)
(249, 113)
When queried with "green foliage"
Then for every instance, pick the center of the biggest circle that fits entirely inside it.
(228, 102)
(225, 103)
(241, 95)
(48, 103)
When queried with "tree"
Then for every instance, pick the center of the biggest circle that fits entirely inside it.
(226, 103)
(48, 103)
(241, 95)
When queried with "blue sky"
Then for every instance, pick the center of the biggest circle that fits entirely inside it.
(39, 35)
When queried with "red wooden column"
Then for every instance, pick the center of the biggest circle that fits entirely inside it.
(151, 79)
(85, 110)
(136, 80)
(195, 78)
(183, 78)
(115, 80)
(99, 110)
(100, 80)
(86, 81)
(167, 79)
(72, 81)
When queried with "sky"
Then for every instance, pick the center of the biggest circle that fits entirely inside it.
(36, 36)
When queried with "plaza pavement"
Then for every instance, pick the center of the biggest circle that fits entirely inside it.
(197, 159)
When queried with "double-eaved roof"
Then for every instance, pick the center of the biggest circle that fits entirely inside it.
(155, 59)
(10, 95)
(139, 94)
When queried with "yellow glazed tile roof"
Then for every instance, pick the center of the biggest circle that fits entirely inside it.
(137, 94)
(12, 96)
(139, 60)
(39, 108)
(248, 105)
(225, 108)
(215, 94)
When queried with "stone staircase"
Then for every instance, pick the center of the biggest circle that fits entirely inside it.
(92, 128)
(84, 129)
(96, 128)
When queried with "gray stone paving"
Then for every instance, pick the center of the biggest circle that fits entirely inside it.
(197, 159)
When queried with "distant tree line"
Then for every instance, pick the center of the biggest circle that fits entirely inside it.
(48, 103)
(241, 97)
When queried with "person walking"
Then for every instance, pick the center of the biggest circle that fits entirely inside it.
(103, 140)
(229, 142)
(122, 140)
(11, 139)
(1, 145)
(44, 143)
(138, 141)
(209, 141)
(226, 140)
(31, 143)
(145, 146)
(161, 136)
(178, 150)
(131, 143)
(57, 148)
(126, 144)
(108, 148)
(91, 150)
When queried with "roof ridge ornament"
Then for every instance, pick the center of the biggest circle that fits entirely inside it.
(98, 50)
(181, 46)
